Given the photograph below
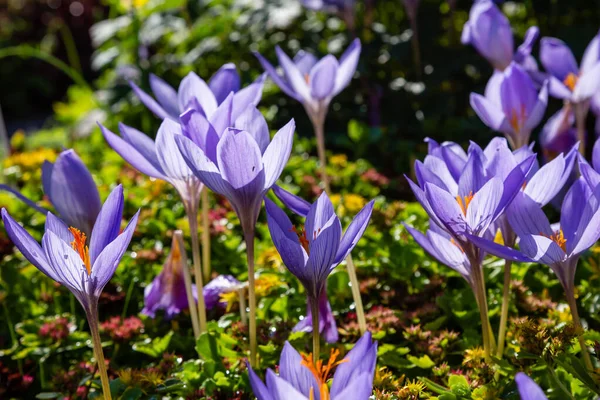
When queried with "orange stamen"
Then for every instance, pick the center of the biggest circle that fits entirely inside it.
(571, 80)
(321, 372)
(302, 238)
(558, 238)
(517, 120)
(454, 242)
(307, 78)
(78, 244)
(464, 202)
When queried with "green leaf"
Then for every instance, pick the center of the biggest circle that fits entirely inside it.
(154, 348)
(48, 395)
(132, 394)
(423, 362)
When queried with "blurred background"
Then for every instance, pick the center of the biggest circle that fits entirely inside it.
(65, 64)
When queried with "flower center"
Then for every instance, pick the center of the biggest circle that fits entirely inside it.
(321, 372)
(517, 119)
(78, 244)
(571, 80)
(558, 238)
(464, 201)
(302, 238)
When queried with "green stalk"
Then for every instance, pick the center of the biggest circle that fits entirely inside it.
(577, 321)
(193, 221)
(504, 312)
(316, 337)
(206, 235)
(70, 47)
(92, 316)
(178, 243)
(128, 298)
(249, 237)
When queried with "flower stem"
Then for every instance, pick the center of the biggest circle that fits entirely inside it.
(205, 235)
(193, 221)
(584, 352)
(178, 243)
(92, 317)
(481, 298)
(360, 311)
(249, 237)
(504, 312)
(319, 127)
(416, 49)
(580, 114)
(243, 314)
(316, 336)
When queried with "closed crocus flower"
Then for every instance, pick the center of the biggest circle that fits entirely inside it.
(82, 265)
(71, 189)
(567, 80)
(511, 105)
(311, 81)
(558, 134)
(167, 291)
(300, 379)
(528, 389)
(195, 93)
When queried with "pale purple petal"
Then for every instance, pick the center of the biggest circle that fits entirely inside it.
(66, 264)
(305, 61)
(541, 249)
(197, 128)
(275, 77)
(248, 97)
(281, 389)
(591, 56)
(222, 117)
(292, 371)
(169, 156)
(490, 114)
(165, 95)
(253, 122)
(322, 254)
(239, 158)
(278, 153)
(482, 209)
(528, 389)
(527, 218)
(296, 204)
(296, 80)
(446, 208)
(549, 180)
(588, 84)
(224, 81)
(57, 226)
(191, 88)
(258, 387)
(149, 102)
(108, 223)
(354, 232)
(347, 66)
(557, 58)
(322, 78)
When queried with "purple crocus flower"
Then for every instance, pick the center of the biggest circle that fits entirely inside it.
(312, 253)
(528, 389)
(66, 256)
(300, 379)
(567, 80)
(195, 93)
(83, 266)
(213, 290)
(489, 31)
(70, 188)
(512, 104)
(327, 324)
(314, 82)
(242, 180)
(168, 290)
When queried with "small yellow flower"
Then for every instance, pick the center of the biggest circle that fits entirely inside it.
(354, 203)
(30, 161)
(266, 283)
(270, 259)
(339, 160)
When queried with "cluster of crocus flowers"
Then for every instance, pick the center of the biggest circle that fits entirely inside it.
(71, 190)
(82, 265)
(464, 194)
(301, 378)
(312, 252)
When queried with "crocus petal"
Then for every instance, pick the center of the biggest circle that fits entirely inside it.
(258, 387)
(426, 175)
(528, 389)
(472, 177)
(169, 157)
(108, 223)
(489, 246)
(305, 61)
(443, 250)
(518, 93)
(596, 155)
(106, 263)
(239, 158)
(201, 132)
(322, 78)
(455, 160)
(73, 192)
(490, 113)
(439, 168)
(354, 232)
(549, 180)
(149, 102)
(537, 113)
(142, 144)
(67, 265)
(292, 371)
(319, 214)
(294, 77)
(296, 204)
(587, 231)
(322, 254)
(588, 84)
(247, 97)
(591, 176)
(446, 208)
(253, 122)
(524, 50)
(557, 58)
(361, 388)
(203, 167)
(286, 241)
(47, 168)
(281, 389)
(278, 153)
(558, 89)
(224, 81)
(591, 56)
(24, 199)
(131, 154)
(514, 182)
(191, 88)
(347, 66)
(361, 360)
(55, 225)
(165, 94)
(541, 249)
(275, 77)
(526, 217)
(572, 209)
(27, 245)
(483, 206)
